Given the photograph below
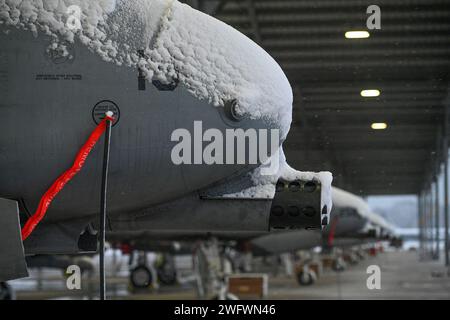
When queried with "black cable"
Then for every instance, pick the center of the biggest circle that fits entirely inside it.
(102, 225)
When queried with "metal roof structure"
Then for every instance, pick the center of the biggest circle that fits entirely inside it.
(408, 60)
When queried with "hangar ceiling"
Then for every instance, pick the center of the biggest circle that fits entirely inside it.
(408, 60)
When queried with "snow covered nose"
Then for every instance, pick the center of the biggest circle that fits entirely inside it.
(211, 59)
(216, 63)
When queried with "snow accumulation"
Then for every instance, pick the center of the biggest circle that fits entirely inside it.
(343, 198)
(211, 59)
(264, 184)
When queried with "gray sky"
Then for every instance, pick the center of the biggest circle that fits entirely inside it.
(401, 211)
(387, 202)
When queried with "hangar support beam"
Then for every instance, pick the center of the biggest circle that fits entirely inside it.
(420, 222)
(446, 209)
(436, 218)
(437, 173)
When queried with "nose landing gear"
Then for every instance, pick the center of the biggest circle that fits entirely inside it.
(141, 277)
(306, 278)
(166, 271)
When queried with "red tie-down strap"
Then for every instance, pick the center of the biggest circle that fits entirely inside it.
(62, 180)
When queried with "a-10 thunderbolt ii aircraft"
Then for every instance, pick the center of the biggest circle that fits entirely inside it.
(200, 113)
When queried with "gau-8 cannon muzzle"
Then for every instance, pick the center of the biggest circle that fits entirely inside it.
(297, 205)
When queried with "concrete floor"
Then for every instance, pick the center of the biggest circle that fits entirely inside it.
(402, 277)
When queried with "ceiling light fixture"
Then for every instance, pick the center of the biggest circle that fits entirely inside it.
(379, 126)
(370, 93)
(357, 34)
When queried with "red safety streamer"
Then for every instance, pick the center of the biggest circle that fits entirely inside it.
(62, 180)
(331, 235)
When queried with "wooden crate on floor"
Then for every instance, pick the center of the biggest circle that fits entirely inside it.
(328, 262)
(250, 285)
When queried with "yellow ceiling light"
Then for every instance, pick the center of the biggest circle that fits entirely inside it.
(379, 126)
(370, 93)
(357, 34)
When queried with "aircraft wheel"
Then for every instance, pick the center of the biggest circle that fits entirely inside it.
(352, 259)
(6, 292)
(360, 255)
(167, 276)
(306, 278)
(141, 277)
(338, 265)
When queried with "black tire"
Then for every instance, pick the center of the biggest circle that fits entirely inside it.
(338, 265)
(352, 260)
(305, 278)
(360, 256)
(167, 276)
(6, 292)
(141, 277)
